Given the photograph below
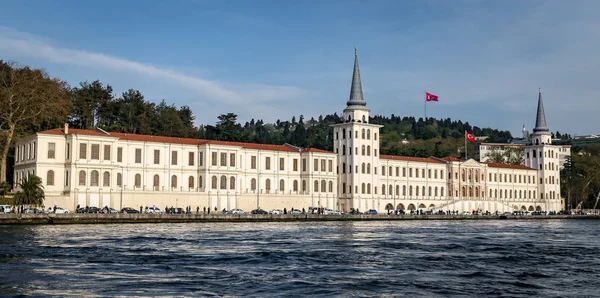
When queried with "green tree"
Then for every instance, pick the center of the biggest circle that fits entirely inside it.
(5, 188)
(496, 156)
(28, 98)
(227, 128)
(91, 105)
(32, 191)
(514, 155)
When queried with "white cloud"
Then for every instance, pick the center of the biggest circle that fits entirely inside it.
(26, 45)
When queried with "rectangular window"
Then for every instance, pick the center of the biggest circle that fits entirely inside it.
(316, 165)
(304, 165)
(201, 159)
(295, 165)
(223, 159)
(191, 158)
(138, 155)
(232, 159)
(68, 151)
(323, 165)
(156, 156)
(253, 162)
(174, 158)
(281, 164)
(106, 152)
(267, 163)
(120, 154)
(82, 151)
(331, 166)
(51, 150)
(213, 159)
(95, 152)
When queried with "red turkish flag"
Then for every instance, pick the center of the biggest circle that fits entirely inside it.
(430, 97)
(469, 137)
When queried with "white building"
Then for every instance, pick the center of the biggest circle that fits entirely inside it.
(98, 168)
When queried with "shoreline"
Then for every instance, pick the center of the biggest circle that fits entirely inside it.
(119, 218)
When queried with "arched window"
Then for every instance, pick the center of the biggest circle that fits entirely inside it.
(364, 118)
(403, 190)
(368, 188)
(363, 134)
(138, 180)
(316, 186)
(253, 184)
(119, 179)
(213, 182)
(363, 150)
(106, 179)
(410, 190)
(303, 185)
(383, 189)
(442, 191)
(429, 191)
(417, 191)
(95, 176)
(156, 182)
(390, 190)
(223, 184)
(368, 168)
(368, 134)
(281, 185)
(397, 189)
(436, 190)
(50, 178)
(231, 182)
(295, 185)
(191, 182)
(330, 186)
(343, 149)
(363, 168)
(323, 186)
(362, 188)
(368, 150)
(268, 185)
(174, 181)
(200, 182)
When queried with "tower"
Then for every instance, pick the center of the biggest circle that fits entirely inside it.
(356, 142)
(540, 154)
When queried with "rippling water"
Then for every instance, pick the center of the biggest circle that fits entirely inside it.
(554, 258)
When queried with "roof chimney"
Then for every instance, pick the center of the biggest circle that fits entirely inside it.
(66, 128)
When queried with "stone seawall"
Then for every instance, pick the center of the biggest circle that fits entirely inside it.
(12, 219)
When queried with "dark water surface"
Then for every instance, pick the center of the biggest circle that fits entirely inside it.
(543, 258)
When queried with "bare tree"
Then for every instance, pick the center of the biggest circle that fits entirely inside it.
(28, 97)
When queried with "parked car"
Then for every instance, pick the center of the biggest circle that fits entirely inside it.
(129, 210)
(259, 211)
(153, 210)
(371, 212)
(236, 211)
(59, 210)
(5, 209)
(32, 210)
(295, 211)
(276, 211)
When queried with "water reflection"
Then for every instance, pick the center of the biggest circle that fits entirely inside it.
(409, 258)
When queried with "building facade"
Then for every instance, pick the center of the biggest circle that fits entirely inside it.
(99, 168)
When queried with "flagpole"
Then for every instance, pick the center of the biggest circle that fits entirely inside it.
(465, 145)
(425, 107)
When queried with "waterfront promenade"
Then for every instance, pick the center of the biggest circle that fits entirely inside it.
(100, 218)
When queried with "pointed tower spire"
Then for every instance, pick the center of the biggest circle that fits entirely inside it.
(356, 101)
(540, 119)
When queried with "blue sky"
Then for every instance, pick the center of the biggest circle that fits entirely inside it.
(274, 59)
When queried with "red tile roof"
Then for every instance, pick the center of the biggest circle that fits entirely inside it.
(176, 140)
(316, 150)
(452, 158)
(409, 158)
(507, 166)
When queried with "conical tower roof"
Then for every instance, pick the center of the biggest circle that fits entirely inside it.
(356, 101)
(540, 119)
